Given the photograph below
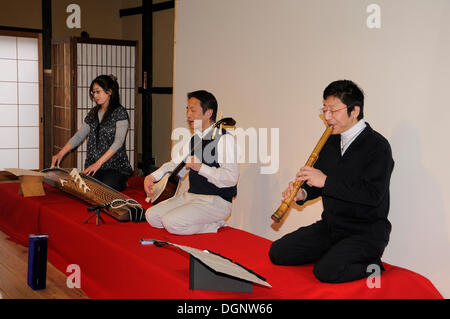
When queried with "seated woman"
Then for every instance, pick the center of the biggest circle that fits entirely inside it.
(106, 126)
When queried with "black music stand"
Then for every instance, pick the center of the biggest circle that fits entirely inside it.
(96, 212)
(211, 271)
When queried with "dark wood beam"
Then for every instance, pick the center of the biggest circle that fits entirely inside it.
(155, 7)
(47, 81)
(130, 11)
(163, 6)
(47, 33)
(147, 80)
(8, 28)
(156, 90)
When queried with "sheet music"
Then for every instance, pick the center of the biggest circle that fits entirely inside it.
(23, 172)
(216, 262)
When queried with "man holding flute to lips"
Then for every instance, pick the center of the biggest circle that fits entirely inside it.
(352, 175)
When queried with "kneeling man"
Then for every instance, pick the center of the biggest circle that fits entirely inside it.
(213, 175)
(352, 175)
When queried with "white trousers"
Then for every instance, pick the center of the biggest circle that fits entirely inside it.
(187, 213)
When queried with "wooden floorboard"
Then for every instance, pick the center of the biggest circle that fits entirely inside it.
(13, 276)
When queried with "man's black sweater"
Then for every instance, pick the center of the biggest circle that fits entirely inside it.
(356, 192)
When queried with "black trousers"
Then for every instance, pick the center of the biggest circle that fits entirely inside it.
(337, 256)
(112, 178)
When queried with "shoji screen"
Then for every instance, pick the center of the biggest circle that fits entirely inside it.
(118, 59)
(20, 100)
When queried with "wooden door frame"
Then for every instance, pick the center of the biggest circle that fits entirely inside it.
(37, 34)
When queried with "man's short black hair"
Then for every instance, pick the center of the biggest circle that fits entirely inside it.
(349, 93)
(207, 101)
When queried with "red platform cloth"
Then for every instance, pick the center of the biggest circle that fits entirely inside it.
(113, 264)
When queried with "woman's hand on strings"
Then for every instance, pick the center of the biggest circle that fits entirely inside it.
(91, 170)
(56, 160)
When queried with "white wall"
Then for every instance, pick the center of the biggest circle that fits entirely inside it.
(268, 62)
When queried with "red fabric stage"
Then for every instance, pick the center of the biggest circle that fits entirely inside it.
(115, 265)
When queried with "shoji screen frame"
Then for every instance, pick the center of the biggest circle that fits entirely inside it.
(71, 44)
(38, 36)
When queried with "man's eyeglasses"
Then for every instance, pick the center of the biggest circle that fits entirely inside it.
(327, 110)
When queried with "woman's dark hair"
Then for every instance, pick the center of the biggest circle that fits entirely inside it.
(107, 83)
(207, 101)
(349, 93)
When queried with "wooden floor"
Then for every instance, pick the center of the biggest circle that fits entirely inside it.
(13, 276)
